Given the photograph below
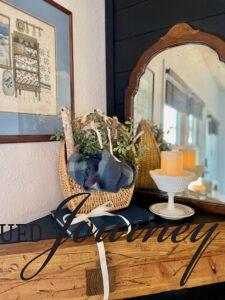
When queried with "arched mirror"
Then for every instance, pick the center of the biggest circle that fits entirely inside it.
(179, 85)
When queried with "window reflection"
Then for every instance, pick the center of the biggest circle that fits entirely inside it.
(185, 98)
(170, 127)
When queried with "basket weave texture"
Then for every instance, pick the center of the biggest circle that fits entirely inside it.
(121, 199)
(151, 159)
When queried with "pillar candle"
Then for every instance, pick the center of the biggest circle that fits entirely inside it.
(189, 158)
(197, 186)
(172, 163)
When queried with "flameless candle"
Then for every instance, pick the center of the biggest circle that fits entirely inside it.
(189, 158)
(172, 163)
(197, 186)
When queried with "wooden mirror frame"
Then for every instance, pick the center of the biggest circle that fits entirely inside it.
(179, 34)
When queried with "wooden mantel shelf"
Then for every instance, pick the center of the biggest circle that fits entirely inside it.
(140, 268)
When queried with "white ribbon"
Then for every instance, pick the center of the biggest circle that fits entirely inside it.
(95, 128)
(110, 141)
(102, 210)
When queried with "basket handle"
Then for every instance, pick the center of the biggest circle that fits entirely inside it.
(67, 126)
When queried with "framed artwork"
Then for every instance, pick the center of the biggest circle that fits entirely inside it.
(36, 69)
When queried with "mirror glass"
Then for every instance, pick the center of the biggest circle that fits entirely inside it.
(183, 92)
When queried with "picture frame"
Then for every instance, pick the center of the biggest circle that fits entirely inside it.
(36, 70)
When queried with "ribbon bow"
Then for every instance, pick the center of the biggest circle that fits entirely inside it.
(101, 210)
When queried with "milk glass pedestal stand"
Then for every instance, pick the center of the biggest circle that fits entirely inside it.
(172, 185)
(197, 171)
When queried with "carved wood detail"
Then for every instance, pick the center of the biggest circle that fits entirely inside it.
(180, 34)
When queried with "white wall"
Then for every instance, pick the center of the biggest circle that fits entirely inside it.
(89, 53)
(29, 182)
(193, 70)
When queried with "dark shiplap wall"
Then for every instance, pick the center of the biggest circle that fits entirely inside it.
(137, 24)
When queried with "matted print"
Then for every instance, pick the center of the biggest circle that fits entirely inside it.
(28, 52)
(4, 41)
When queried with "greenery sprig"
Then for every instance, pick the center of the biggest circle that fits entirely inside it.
(159, 136)
(125, 147)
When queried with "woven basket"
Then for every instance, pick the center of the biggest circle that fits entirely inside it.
(151, 159)
(120, 199)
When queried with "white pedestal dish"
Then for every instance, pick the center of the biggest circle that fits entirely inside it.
(172, 185)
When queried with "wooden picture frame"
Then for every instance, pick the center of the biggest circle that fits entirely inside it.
(23, 138)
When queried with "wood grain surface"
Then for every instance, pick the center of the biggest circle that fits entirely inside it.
(140, 268)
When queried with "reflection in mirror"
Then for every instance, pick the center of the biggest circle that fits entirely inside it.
(143, 100)
(183, 91)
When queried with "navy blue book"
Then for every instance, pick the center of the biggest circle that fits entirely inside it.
(135, 215)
